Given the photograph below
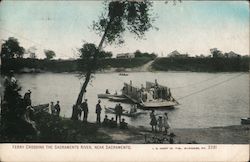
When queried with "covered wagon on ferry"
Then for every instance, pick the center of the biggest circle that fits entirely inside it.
(151, 96)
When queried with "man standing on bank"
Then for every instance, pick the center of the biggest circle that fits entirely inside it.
(57, 109)
(85, 110)
(118, 112)
(98, 112)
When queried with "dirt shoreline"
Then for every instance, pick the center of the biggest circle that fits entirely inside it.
(237, 134)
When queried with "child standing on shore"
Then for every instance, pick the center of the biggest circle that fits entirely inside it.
(160, 123)
(153, 121)
(166, 124)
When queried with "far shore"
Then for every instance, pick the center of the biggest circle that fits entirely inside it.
(126, 70)
(138, 64)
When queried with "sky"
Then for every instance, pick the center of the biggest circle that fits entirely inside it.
(191, 27)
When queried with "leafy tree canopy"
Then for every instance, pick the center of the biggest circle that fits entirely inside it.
(32, 52)
(49, 54)
(121, 15)
(87, 54)
(216, 53)
(12, 49)
(118, 16)
(88, 51)
(144, 54)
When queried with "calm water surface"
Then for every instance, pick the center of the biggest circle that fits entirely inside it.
(206, 99)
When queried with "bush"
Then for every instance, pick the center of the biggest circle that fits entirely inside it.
(14, 127)
(68, 65)
(202, 64)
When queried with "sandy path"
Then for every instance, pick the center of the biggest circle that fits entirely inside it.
(144, 68)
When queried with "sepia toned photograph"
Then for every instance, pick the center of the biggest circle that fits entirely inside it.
(124, 72)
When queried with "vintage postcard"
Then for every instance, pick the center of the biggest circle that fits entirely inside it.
(124, 80)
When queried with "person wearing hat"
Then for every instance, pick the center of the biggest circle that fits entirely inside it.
(166, 124)
(118, 112)
(57, 108)
(27, 98)
(85, 110)
(98, 112)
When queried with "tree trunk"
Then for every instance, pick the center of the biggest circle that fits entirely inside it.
(83, 89)
(89, 71)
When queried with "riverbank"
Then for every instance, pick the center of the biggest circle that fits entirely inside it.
(138, 64)
(52, 129)
(238, 134)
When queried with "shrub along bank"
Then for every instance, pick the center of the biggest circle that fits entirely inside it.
(202, 64)
(68, 65)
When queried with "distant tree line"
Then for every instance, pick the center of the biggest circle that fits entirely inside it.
(40, 65)
(215, 64)
(145, 54)
(12, 55)
(12, 59)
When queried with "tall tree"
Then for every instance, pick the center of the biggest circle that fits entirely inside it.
(216, 53)
(32, 52)
(12, 49)
(119, 16)
(49, 54)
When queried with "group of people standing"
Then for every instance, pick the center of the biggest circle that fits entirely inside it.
(161, 122)
(160, 92)
(77, 111)
(83, 107)
(55, 109)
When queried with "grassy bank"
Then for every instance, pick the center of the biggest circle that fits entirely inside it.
(54, 129)
(62, 130)
(202, 64)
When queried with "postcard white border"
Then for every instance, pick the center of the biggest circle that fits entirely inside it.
(122, 152)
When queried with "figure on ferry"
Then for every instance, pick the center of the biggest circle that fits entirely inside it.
(107, 91)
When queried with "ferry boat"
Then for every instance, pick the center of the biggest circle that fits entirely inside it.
(152, 96)
(245, 120)
(123, 74)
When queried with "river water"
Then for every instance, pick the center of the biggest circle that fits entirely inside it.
(206, 99)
